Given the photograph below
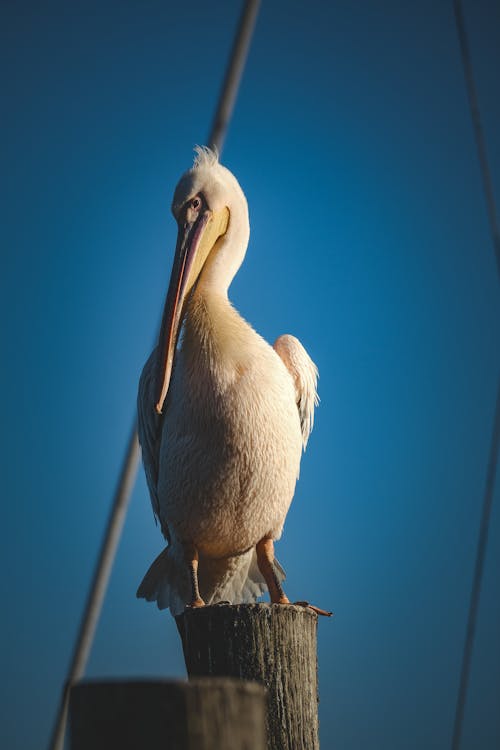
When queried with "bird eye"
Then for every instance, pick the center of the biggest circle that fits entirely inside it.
(196, 203)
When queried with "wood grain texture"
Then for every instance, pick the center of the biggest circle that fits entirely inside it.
(272, 644)
(203, 714)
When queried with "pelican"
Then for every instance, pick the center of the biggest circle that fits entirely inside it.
(223, 416)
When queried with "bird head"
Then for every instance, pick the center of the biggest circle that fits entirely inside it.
(213, 231)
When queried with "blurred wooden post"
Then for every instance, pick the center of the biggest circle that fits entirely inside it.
(204, 714)
(271, 644)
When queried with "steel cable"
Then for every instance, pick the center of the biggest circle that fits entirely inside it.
(495, 438)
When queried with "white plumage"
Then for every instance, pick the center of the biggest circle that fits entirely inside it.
(223, 416)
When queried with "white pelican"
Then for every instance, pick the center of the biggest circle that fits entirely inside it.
(223, 417)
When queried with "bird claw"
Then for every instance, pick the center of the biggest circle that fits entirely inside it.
(314, 609)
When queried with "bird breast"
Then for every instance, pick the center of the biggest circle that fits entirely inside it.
(231, 440)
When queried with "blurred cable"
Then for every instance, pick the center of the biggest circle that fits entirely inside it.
(478, 130)
(128, 473)
(233, 75)
(477, 578)
(99, 584)
(495, 439)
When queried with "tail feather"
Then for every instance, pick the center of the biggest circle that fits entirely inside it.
(166, 582)
(150, 584)
(247, 583)
(235, 579)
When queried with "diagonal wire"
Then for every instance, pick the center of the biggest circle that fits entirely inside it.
(477, 579)
(128, 472)
(229, 90)
(495, 438)
(478, 130)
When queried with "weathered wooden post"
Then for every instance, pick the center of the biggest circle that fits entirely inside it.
(273, 644)
(215, 714)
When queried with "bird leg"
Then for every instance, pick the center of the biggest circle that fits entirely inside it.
(191, 558)
(265, 560)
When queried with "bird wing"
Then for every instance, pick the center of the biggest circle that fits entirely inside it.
(149, 429)
(305, 376)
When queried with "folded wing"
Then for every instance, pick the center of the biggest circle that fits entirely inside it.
(149, 429)
(305, 376)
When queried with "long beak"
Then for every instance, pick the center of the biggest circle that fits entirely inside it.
(194, 243)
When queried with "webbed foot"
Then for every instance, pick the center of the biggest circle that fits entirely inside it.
(314, 609)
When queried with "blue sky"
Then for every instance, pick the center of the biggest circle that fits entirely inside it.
(352, 140)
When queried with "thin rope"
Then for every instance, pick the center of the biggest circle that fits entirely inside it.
(482, 542)
(97, 591)
(126, 481)
(477, 578)
(478, 130)
(229, 91)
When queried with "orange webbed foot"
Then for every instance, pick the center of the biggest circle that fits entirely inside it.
(318, 610)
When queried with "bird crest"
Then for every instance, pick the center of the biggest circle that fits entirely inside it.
(205, 157)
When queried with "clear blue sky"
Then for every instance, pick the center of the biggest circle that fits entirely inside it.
(353, 142)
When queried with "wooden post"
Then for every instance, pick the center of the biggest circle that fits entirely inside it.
(204, 714)
(272, 644)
